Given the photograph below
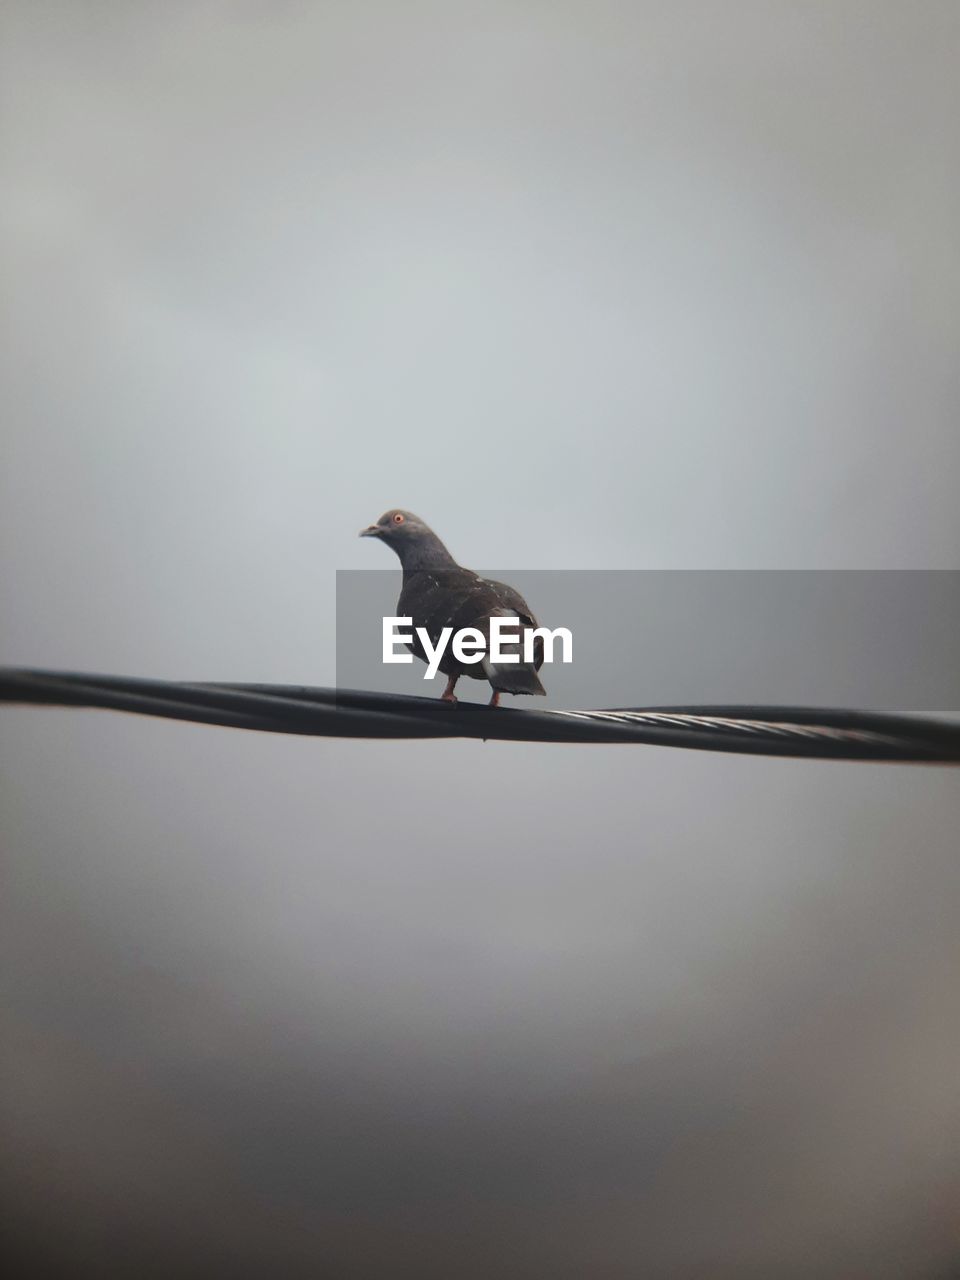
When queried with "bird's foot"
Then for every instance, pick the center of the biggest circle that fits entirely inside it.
(495, 700)
(448, 697)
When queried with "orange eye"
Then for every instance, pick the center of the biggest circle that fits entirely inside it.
(397, 518)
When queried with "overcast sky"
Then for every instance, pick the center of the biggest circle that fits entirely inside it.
(587, 285)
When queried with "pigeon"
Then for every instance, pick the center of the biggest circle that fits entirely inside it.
(437, 592)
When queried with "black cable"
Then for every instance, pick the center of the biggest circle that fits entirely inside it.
(785, 731)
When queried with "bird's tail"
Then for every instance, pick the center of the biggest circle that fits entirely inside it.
(512, 677)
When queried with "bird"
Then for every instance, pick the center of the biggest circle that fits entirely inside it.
(437, 592)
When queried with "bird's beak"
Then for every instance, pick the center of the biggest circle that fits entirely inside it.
(371, 531)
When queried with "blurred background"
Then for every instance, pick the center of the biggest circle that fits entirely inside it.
(589, 286)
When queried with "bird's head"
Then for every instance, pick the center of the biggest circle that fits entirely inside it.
(397, 528)
(414, 541)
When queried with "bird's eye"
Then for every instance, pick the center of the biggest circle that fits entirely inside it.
(397, 518)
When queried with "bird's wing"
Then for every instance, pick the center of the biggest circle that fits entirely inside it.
(506, 601)
(458, 598)
(511, 602)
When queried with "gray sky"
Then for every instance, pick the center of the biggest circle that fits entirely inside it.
(598, 285)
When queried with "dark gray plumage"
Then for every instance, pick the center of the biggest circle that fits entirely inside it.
(437, 593)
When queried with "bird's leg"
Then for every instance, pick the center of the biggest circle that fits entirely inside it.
(495, 700)
(447, 695)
